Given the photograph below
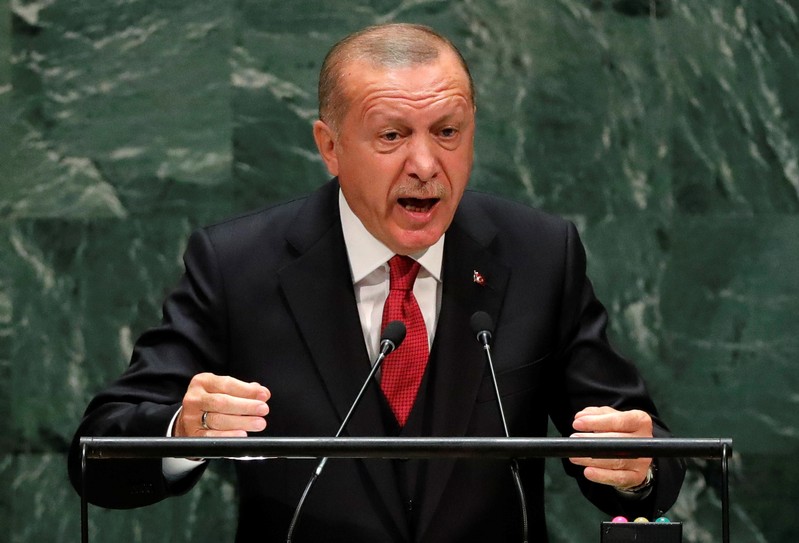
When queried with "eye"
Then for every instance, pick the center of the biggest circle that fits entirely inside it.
(390, 136)
(449, 132)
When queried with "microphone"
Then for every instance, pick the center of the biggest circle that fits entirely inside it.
(483, 326)
(392, 336)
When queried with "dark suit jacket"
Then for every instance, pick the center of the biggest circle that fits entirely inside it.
(268, 297)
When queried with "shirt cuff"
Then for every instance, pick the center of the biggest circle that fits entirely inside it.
(175, 469)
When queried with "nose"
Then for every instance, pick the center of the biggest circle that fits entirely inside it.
(422, 161)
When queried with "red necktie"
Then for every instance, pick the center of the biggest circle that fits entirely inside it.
(403, 369)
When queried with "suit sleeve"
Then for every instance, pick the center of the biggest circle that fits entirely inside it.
(592, 373)
(191, 339)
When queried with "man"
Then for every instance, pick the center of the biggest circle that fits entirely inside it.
(273, 326)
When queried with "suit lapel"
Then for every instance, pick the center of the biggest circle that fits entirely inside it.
(473, 280)
(318, 289)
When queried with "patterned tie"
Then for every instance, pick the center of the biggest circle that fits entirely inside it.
(403, 369)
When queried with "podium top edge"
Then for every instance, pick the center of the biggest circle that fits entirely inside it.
(422, 447)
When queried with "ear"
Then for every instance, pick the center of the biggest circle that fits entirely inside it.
(325, 140)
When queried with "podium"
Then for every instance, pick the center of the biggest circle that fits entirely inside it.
(391, 448)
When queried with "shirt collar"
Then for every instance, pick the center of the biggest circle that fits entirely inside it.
(366, 253)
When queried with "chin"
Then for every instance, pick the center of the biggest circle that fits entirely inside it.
(415, 243)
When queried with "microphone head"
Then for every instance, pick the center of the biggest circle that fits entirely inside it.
(481, 323)
(393, 333)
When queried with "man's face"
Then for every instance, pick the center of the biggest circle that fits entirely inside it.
(404, 149)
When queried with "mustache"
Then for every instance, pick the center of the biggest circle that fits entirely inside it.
(413, 188)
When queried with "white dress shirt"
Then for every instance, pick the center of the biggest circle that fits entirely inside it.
(368, 259)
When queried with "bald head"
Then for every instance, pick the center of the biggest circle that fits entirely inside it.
(383, 46)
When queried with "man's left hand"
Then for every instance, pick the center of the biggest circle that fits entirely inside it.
(621, 473)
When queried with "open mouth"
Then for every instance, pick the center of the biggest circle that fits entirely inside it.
(418, 205)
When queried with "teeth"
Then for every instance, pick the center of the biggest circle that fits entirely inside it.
(412, 204)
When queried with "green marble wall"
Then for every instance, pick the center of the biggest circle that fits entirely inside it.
(667, 130)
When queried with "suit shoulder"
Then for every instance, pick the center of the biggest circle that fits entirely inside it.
(264, 218)
(300, 221)
(247, 237)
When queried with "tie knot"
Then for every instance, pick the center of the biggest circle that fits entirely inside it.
(402, 272)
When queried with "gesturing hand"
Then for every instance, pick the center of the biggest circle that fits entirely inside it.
(231, 407)
(622, 473)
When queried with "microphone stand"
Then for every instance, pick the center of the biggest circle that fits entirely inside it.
(393, 335)
(484, 337)
(514, 465)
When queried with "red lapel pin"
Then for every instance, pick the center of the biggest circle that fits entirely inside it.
(478, 278)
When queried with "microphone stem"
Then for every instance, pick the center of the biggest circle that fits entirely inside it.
(375, 366)
(385, 347)
(487, 349)
(514, 465)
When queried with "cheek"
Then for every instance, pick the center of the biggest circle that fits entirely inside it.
(388, 166)
(366, 188)
(458, 168)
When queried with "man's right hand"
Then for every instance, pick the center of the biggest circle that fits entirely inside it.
(233, 407)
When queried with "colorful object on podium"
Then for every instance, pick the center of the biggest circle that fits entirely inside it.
(641, 530)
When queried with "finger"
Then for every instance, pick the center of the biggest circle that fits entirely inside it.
(221, 412)
(615, 478)
(223, 422)
(620, 464)
(605, 463)
(231, 386)
(618, 435)
(617, 472)
(214, 406)
(232, 405)
(217, 425)
(591, 419)
(221, 433)
(627, 422)
(592, 410)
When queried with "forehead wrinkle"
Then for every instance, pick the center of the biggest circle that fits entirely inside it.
(390, 103)
(392, 84)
